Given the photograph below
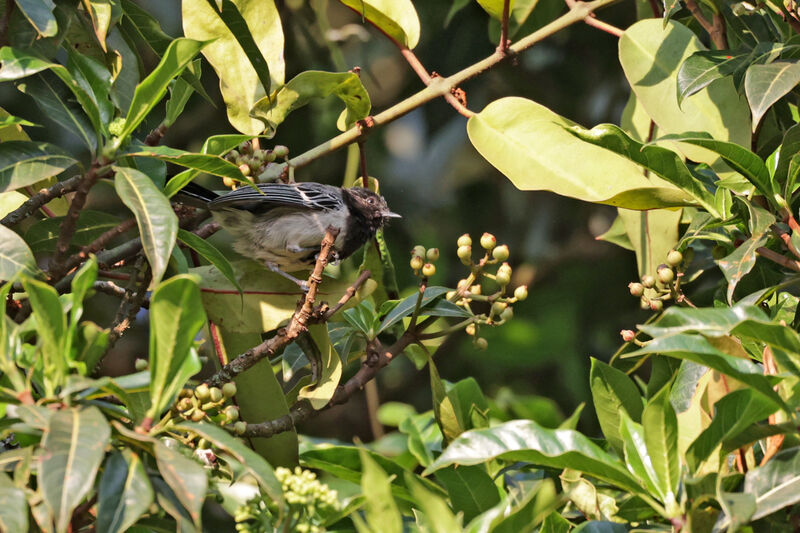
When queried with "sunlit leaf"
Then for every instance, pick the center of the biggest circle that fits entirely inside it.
(766, 84)
(396, 18)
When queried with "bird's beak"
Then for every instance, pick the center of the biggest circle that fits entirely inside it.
(390, 214)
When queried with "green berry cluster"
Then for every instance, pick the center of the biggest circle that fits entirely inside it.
(653, 291)
(206, 402)
(254, 161)
(307, 504)
(422, 260)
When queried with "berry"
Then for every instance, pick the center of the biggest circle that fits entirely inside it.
(481, 343)
(233, 155)
(202, 393)
(488, 241)
(470, 329)
(674, 258)
(418, 251)
(231, 413)
(637, 289)
(416, 262)
(498, 307)
(507, 314)
(465, 254)
(281, 151)
(521, 292)
(428, 270)
(475, 289)
(140, 365)
(665, 274)
(500, 253)
(244, 168)
(464, 240)
(627, 335)
(656, 305)
(245, 147)
(269, 157)
(649, 281)
(229, 390)
(432, 254)
(215, 394)
(198, 415)
(240, 427)
(229, 182)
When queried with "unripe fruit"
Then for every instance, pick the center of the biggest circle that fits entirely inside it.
(470, 329)
(229, 390)
(627, 335)
(637, 289)
(184, 404)
(232, 413)
(665, 274)
(245, 147)
(464, 240)
(488, 241)
(202, 444)
(240, 427)
(475, 289)
(280, 151)
(215, 394)
(232, 155)
(464, 253)
(140, 365)
(202, 393)
(416, 262)
(428, 270)
(481, 343)
(498, 307)
(649, 281)
(656, 305)
(461, 284)
(432, 254)
(244, 168)
(507, 314)
(674, 258)
(500, 253)
(418, 250)
(229, 182)
(269, 157)
(521, 292)
(503, 277)
(198, 415)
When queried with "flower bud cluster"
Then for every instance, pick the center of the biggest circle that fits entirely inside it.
(653, 291)
(210, 403)
(253, 161)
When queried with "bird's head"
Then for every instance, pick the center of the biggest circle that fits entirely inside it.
(370, 205)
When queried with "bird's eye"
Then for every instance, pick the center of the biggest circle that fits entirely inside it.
(371, 201)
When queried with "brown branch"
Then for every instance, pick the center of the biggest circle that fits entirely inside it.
(504, 43)
(297, 325)
(32, 204)
(362, 161)
(715, 29)
(592, 21)
(326, 314)
(135, 293)
(98, 244)
(778, 258)
(154, 137)
(112, 289)
(787, 240)
(45, 210)
(426, 78)
(70, 222)
(4, 22)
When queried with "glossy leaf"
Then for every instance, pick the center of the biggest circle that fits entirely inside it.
(665, 163)
(506, 129)
(397, 19)
(329, 371)
(661, 437)
(176, 315)
(51, 325)
(736, 265)
(185, 477)
(239, 82)
(704, 67)
(380, 509)
(790, 146)
(210, 164)
(424, 436)
(73, 448)
(125, 492)
(15, 256)
(211, 254)
(406, 306)
(253, 463)
(13, 506)
(214, 145)
(470, 488)
(613, 393)
(495, 7)
(651, 53)
(636, 455)
(20, 63)
(524, 440)
(152, 89)
(436, 515)
(42, 236)
(40, 14)
(766, 84)
(158, 224)
(310, 85)
(179, 95)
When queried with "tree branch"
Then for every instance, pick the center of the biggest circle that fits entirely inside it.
(599, 24)
(502, 47)
(715, 29)
(98, 244)
(41, 198)
(778, 258)
(426, 78)
(135, 293)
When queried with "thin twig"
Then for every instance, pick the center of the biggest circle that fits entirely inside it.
(715, 29)
(112, 289)
(154, 137)
(592, 21)
(135, 293)
(502, 46)
(98, 244)
(326, 314)
(45, 210)
(426, 78)
(787, 240)
(32, 204)
(778, 258)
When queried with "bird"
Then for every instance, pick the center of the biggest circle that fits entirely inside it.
(282, 224)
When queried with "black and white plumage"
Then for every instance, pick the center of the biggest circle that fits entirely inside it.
(282, 225)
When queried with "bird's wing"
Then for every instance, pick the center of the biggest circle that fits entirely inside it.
(313, 196)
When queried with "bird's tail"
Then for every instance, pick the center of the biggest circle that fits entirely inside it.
(195, 195)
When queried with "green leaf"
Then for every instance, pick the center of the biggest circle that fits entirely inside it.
(506, 129)
(424, 435)
(437, 516)
(253, 463)
(15, 256)
(176, 315)
(555, 523)
(51, 325)
(211, 254)
(101, 12)
(21, 63)
(147, 26)
(185, 477)
(72, 450)
(600, 526)
(531, 509)
(40, 14)
(239, 82)
(523, 440)
(702, 68)
(158, 224)
(309, 85)
(125, 492)
(397, 19)
(766, 84)
(380, 508)
(329, 369)
(153, 88)
(636, 456)
(179, 94)
(742, 260)
(495, 7)
(652, 234)
(661, 437)
(734, 414)
(651, 53)
(215, 145)
(613, 393)
(95, 81)
(665, 163)
(470, 488)
(14, 508)
(42, 236)
(790, 146)
(211, 164)
(406, 307)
